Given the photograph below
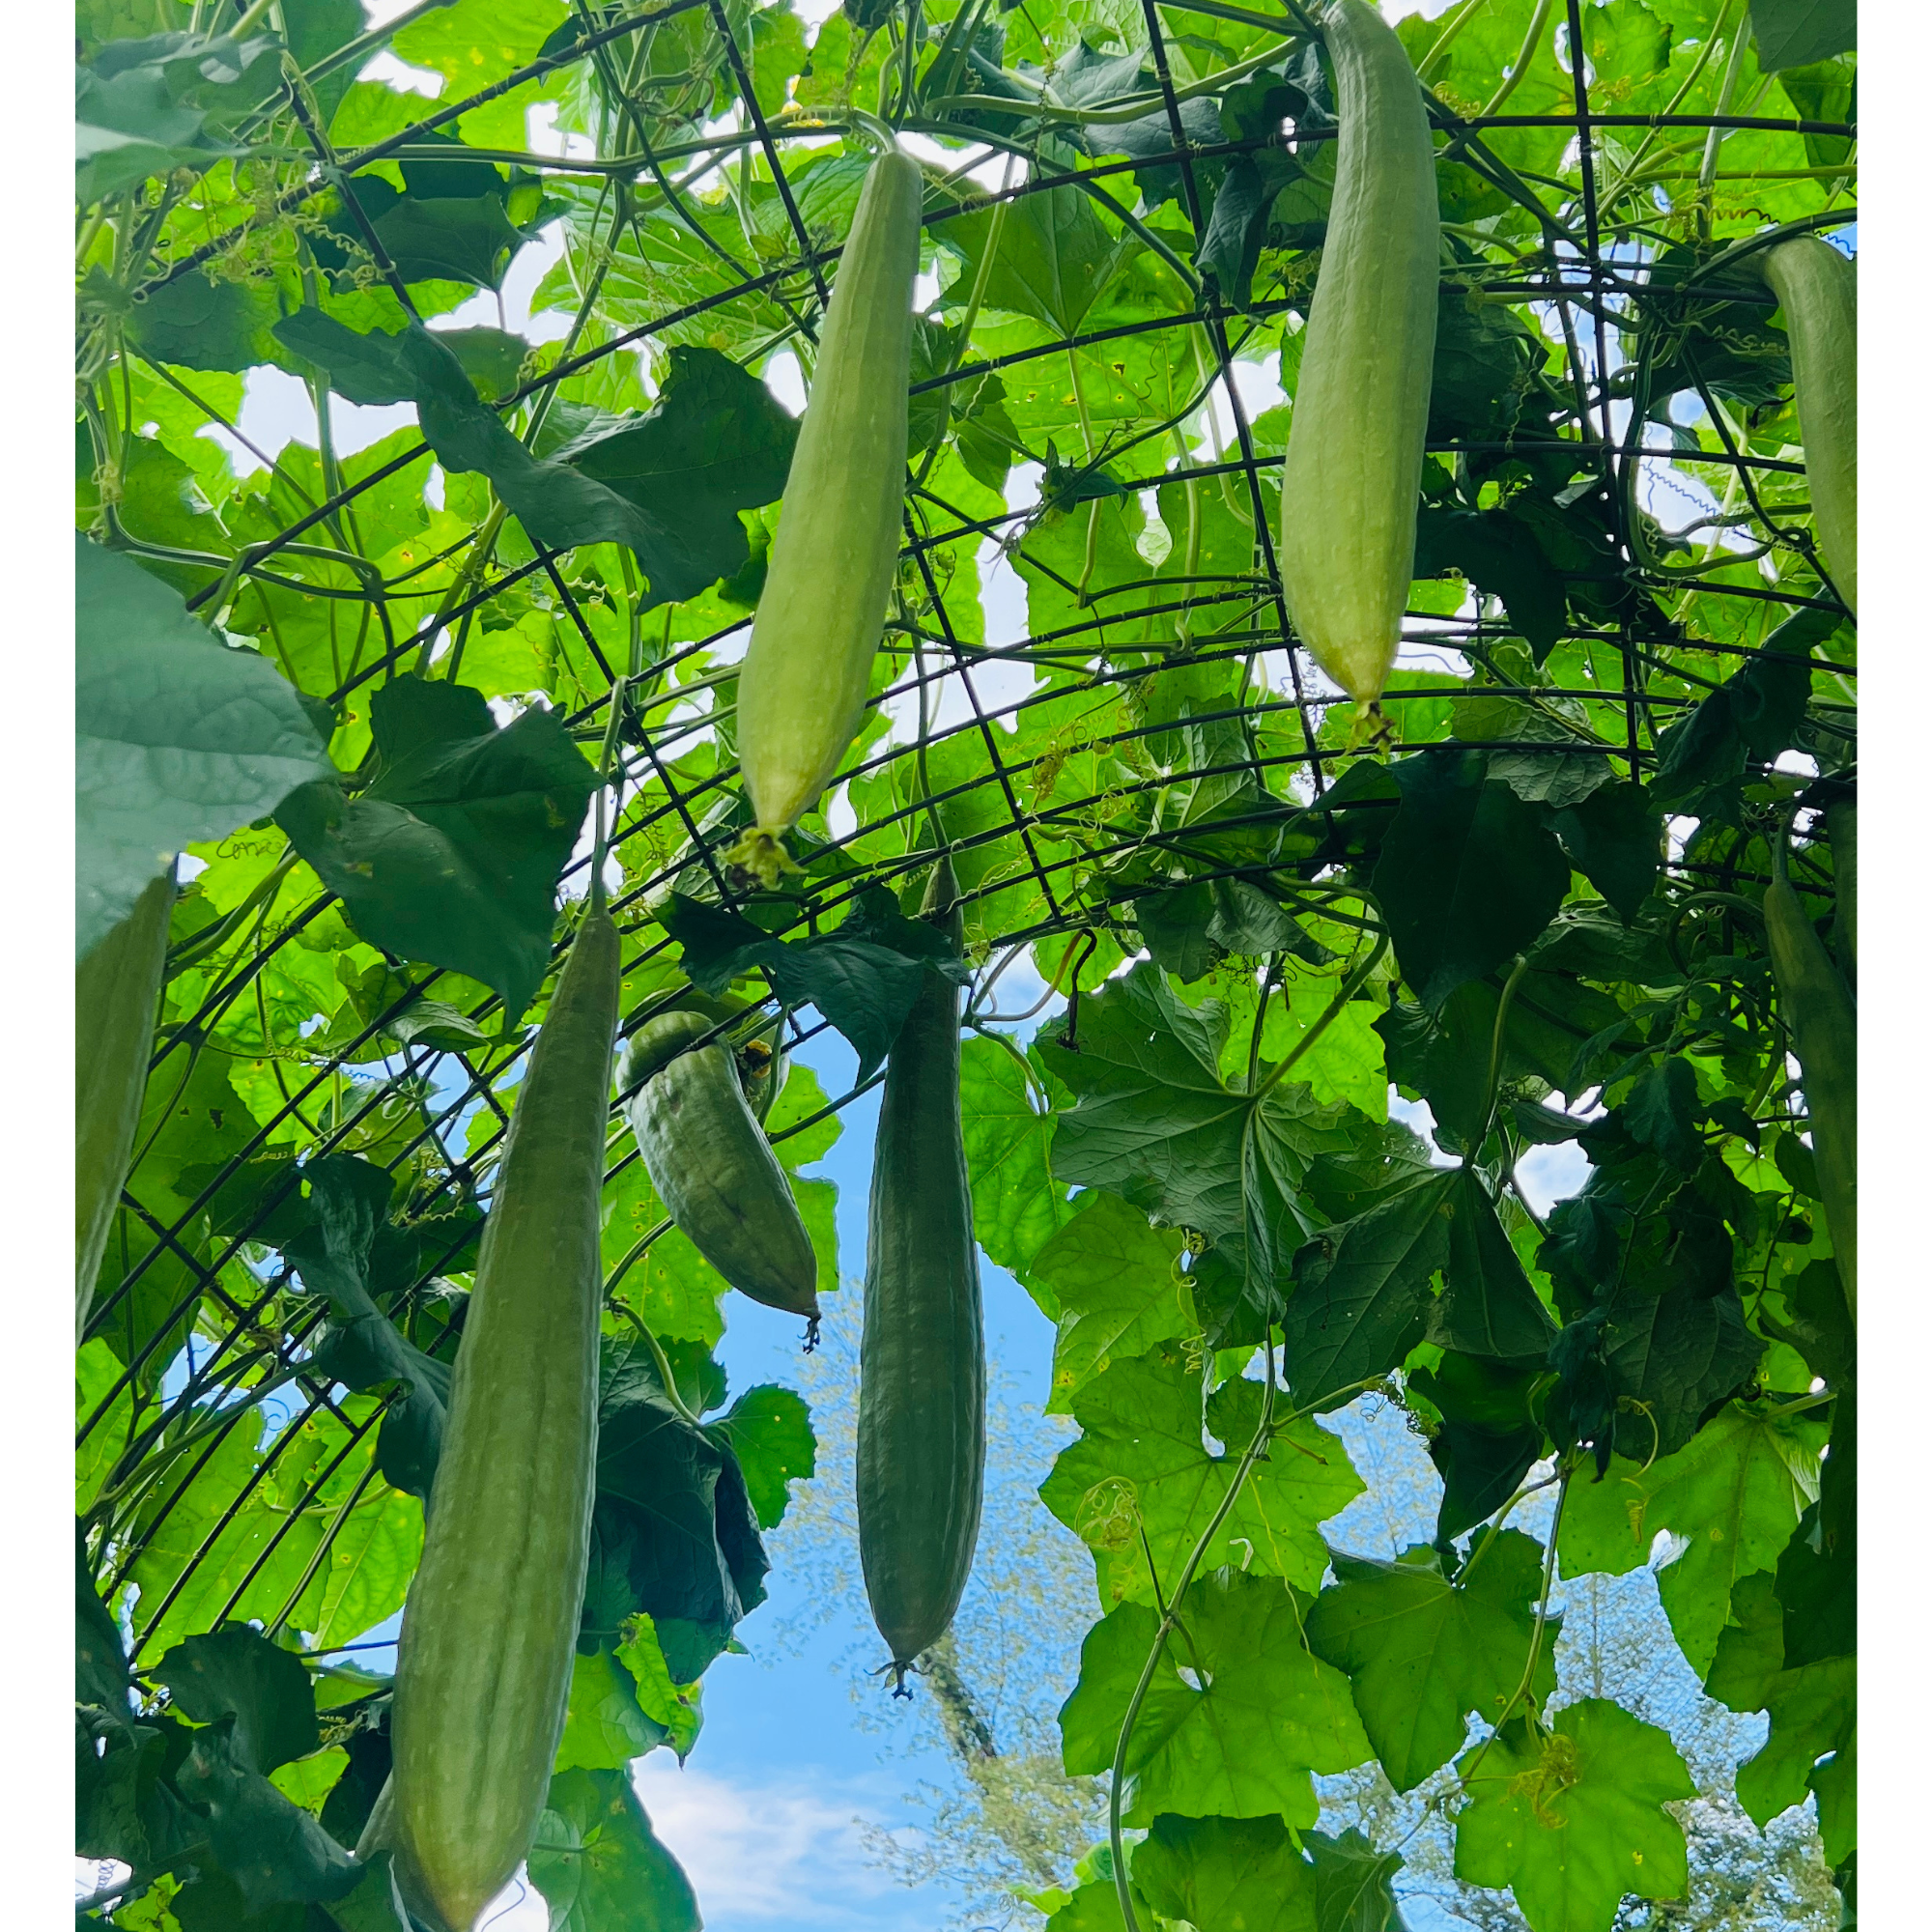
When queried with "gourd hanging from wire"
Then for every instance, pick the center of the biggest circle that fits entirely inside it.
(1818, 290)
(807, 674)
(1354, 468)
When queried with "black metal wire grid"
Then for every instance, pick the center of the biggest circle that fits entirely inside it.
(1591, 285)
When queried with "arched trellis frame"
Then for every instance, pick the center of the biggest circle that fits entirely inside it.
(1043, 860)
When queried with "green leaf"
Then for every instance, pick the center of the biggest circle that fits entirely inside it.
(1141, 1466)
(1353, 1890)
(598, 1865)
(453, 855)
(1423, 1652)
(1153, 1120)
(1055, 256)
(1239, 1714)
(194, 323)
(1017, 1205)
(1119, 1287)
(768, 1431)
(1661, 1110)
(1813, 1715)
(1795, 33)
(1362, 1292)
(1501, 555)
(125, 1806)
(676, 1707)
(1673, 1355)
(1468, 875)
(236, 1672)
(1733, 1494)
(606, 1726)
(178, 738)
(1574, 1821)
(1235, 1874)
(359, 368)
(374, 1903)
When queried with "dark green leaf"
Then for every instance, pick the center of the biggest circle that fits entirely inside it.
(453, 855)
(673, 1532)
(1354, 1884)
(1501, 555)
(360, 1347)
(864, 988)
(99, 1656)
(1488, 1437)
(1795, 33)
(1362, 1292)
(1488, 1306)
(272, 1851)
(236, 1672)
(1153, 1120)
(1468, 873)
(715, 441)
(194, 323)
(1615, 838)
(1661, 1113)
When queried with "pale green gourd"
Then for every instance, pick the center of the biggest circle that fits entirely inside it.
(1354, 470)
(1818, 290)
(808, 670)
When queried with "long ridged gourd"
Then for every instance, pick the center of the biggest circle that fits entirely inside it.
(1823, 1023)
(808, 670)
(1818, 290)
(116, 990)
(489, 1630)
(712, 1166)
(921, 1447)
(1354, 470)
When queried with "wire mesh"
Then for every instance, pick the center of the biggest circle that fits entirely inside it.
(1032, 849)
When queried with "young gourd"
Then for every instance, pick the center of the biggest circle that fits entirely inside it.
(1354, 469)
(1818, 290)
(806, 674)
(711, 1164)
(922, 1366)
(489, 1630)
(116, 990)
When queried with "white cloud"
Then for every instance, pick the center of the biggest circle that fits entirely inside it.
(757, 1854)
